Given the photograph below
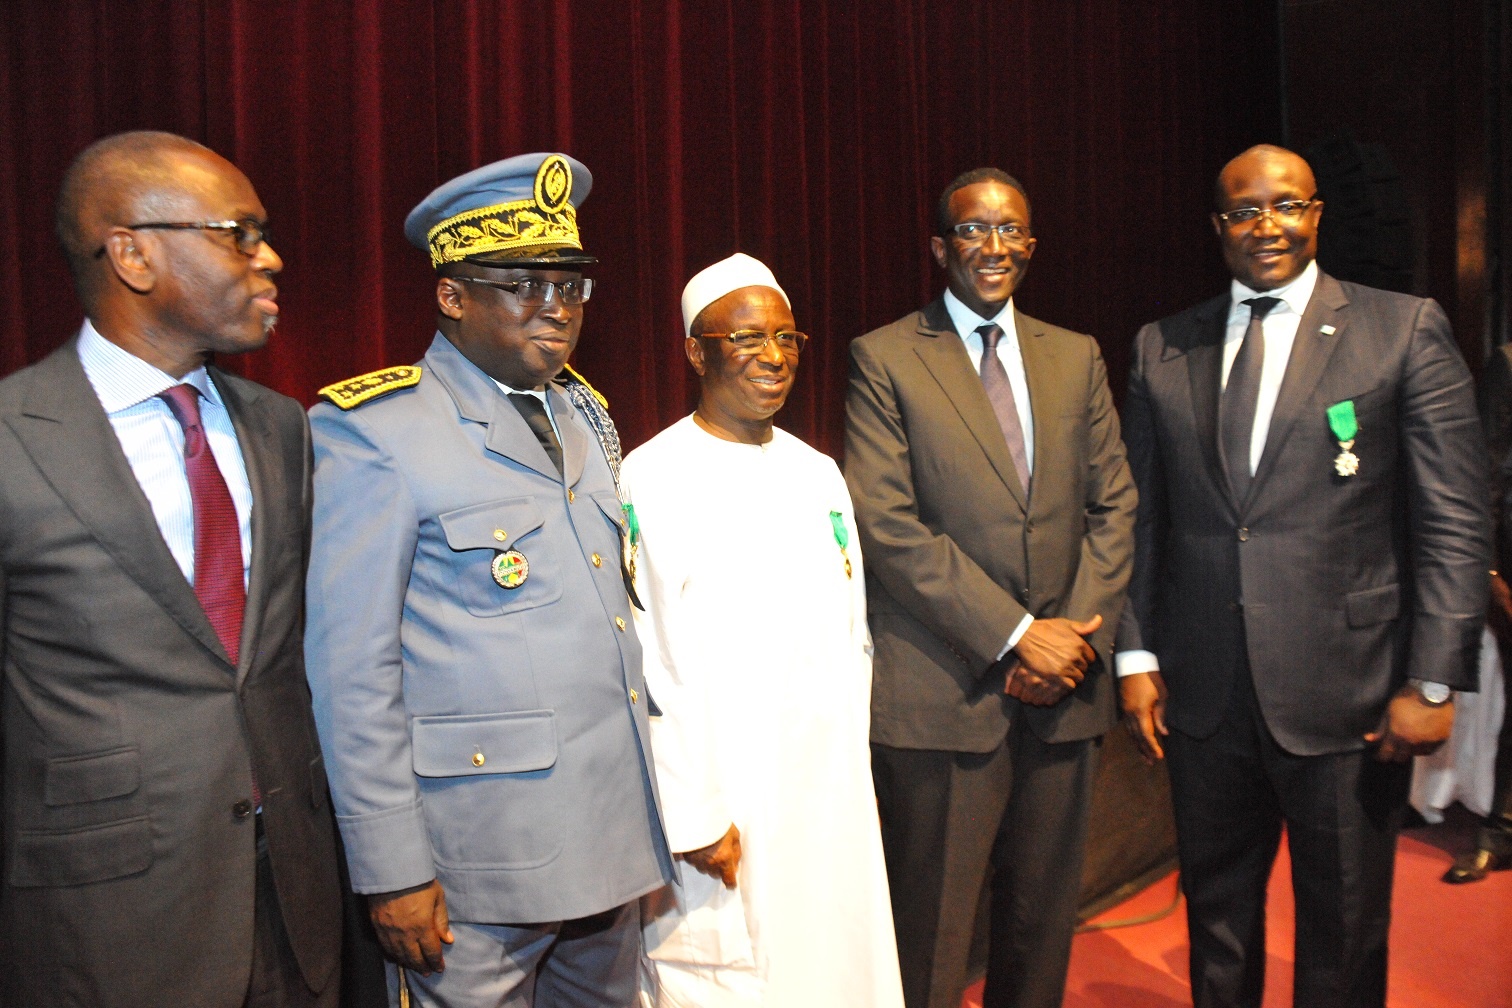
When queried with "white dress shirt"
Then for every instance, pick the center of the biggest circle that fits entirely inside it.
(153, 441)
(966, 323)
(1280, 328)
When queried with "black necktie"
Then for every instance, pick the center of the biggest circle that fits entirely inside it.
(1236, 412)
(534, 412)
(1000, 394)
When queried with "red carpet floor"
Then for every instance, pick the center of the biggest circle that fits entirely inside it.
(1451, 946)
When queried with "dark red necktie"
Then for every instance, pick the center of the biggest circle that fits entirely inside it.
(218, 578)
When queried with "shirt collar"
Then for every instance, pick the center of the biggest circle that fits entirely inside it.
(1296, 294)
(967, 322)
(122, 380)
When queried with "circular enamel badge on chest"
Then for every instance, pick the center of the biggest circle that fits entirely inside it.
(510, 568)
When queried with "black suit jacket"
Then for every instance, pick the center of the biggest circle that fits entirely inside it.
(1333, 588)
(129, 737)
(957, 552)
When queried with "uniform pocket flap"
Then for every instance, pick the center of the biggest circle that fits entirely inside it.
(612, 508)
(74, 857)
(459, 745)
(491, 525)
(1373, 605)
(93, 776)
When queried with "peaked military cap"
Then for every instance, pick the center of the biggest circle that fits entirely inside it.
(521, 211)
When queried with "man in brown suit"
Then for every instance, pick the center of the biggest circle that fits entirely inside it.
(996, 513)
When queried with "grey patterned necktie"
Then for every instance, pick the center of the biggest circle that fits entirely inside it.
(534, 412)
(1241, 394)
(1000, 394)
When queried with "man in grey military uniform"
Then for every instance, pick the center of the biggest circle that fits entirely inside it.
(476, 677)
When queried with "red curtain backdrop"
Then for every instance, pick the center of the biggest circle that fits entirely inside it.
(815, 136)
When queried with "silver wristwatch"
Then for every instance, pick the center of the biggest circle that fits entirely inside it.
(1434, 694)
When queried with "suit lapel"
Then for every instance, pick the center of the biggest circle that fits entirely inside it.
(1310, 354)
(67, 435)
(257, 440)
(944, 355)
(1204, 373)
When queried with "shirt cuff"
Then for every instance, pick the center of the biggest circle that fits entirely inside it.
(1135, 662)
(1016, 636)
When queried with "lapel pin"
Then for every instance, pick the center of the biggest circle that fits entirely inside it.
(1327, 330)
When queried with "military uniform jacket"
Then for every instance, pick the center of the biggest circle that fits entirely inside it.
(492, 738)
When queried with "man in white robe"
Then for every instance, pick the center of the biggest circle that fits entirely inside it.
(757, 655)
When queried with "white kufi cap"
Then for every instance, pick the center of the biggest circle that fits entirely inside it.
(714, 282)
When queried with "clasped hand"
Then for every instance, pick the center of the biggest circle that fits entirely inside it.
(1053, 659)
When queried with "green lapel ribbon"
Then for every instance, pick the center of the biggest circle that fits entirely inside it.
(1341, 419)
(631, 522)
(842, 534)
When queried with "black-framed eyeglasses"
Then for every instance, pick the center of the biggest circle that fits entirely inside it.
(249, 234)
(533, 293)
(975, 232)
(1287, 211)
(755, 341)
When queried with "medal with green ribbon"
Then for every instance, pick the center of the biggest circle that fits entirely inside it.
(1341, 420)
(842, 538)
(632, 537)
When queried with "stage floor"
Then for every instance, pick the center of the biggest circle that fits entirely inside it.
(1451, 946)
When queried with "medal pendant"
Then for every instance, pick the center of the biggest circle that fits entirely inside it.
(848, 572)
(510, 569)
(1347, 463)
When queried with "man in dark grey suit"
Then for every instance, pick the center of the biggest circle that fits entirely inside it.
(1310, 579)
(166, 836)
(995, 510)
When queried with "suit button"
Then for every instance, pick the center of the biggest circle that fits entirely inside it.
(619, 622)
(598, 561)
(1244, 535)
(570, 495)
(242, 809)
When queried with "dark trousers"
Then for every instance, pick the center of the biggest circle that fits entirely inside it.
(276, 980)
(1014, 819)
(1232, 793)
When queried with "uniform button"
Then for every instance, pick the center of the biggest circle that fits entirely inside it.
(619, 622)
(598, 561)
(479, 759)
(242, 809)
(1244, 535)
(571, 496)
(634, 696)
(500, 535)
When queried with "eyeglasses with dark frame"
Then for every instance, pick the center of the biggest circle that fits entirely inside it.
(975, 232)
(249, 234)
(533, 293)
(1289, 212)
(754, 340)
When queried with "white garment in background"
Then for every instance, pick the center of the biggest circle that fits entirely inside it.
(1464, 768)
(758, 656)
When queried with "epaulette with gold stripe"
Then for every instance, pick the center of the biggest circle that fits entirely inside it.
(584, 382)
(365, 388)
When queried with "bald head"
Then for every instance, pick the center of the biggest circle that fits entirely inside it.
(1261, 158)
(120, 180)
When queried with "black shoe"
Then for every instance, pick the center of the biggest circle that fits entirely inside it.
(1476, 865)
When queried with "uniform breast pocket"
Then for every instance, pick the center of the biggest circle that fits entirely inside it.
(501, 565)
